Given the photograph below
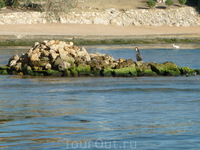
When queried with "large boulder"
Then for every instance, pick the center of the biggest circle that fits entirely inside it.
(166, 69)
(187, 71)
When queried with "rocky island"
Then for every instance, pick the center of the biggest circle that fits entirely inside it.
(64, 59)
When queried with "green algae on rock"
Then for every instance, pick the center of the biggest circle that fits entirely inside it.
(60, 58)
(166, 69)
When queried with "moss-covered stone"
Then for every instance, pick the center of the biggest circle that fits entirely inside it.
(20, 73)
(125, 72)
(27, 70)
(51, 72)
(107, 72)
(197, 71)
(39, 74)
(67, 73)
(166, 69)
(14, 72)
(171, 66)
(187, 71)
(96, 71)
(4, 68)
(84, 70)
(171, 69)
(146, 72)
(3, 72)
(73, 72)
(158, 68)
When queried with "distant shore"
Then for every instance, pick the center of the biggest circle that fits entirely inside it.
(97, 34)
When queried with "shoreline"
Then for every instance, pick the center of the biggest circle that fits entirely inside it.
(26, 40)
(83, 34)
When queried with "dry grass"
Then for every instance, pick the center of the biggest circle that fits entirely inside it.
(99, 5)
(106, 4)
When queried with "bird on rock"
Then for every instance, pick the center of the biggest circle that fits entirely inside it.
(138, 55)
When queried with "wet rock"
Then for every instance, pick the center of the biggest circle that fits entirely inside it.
(107, 72)
(59, 58)
(84, 70)
(125, 72)
(166, 69)
(54, 73)
(197, 71)
(145, 72)
(4, 72)
(187, 71)
(125, 63)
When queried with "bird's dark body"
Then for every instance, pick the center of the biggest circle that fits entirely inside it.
(138, 55)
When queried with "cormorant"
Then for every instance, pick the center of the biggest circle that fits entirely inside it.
(138, 55)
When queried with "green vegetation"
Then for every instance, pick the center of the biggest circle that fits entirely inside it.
(3, 72)
(169, 2)
(92, 41)
(182, 2)
(84, 70)
(186, 70)
(166, 69)
(199, 4)
(125, 72)
(145, 72)
(151, 3)
(13, 3)
(153, 69)
(2, 4)
(53, 73)
(107, 72)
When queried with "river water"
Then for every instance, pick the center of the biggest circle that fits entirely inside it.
(140, 113)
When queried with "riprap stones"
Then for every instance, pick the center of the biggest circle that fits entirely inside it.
(60, 58)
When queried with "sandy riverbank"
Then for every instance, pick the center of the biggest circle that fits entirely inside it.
(83, 29)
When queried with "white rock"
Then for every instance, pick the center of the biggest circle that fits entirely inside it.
(15, 57)
(48, 66)
(12, 63)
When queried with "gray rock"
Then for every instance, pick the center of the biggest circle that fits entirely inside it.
(63, 66)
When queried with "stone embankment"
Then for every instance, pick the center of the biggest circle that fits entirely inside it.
(59, 58)
(184, 16)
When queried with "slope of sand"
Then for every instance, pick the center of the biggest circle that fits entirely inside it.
(83, 29)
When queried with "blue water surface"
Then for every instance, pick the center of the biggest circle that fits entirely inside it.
(95, 113)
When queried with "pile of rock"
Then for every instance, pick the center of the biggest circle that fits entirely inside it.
(60, 58)
(22, 18)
